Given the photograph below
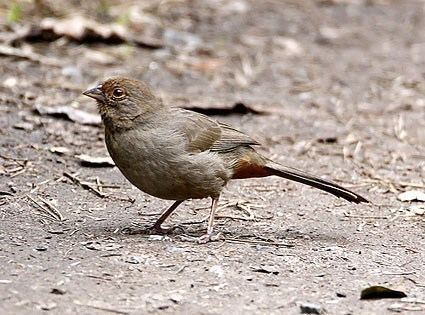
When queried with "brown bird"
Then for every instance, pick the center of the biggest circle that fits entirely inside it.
(177, 154)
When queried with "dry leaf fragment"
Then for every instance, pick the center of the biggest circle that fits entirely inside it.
(59, 150)
(379, 292)
(69, 113)
(207, 65)
(311, 308)
(266, 269)
(237, 108)
(412, 195)
(83, 30)
(95, 245)
(24, 126)
(289, 46)
(29, 55)
(417, 209)
(95, 161)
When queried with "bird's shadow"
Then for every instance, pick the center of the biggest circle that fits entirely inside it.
(123, 230)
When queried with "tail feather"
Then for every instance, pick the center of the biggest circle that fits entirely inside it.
(311, 180)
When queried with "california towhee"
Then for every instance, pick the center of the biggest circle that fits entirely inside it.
(177, 154)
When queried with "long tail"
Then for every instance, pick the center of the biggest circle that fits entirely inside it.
(299, 176)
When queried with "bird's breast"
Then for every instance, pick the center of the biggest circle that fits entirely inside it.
(158, 164)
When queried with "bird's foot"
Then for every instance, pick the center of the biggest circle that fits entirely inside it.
(210, 237)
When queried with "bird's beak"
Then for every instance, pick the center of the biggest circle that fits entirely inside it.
(95, 93)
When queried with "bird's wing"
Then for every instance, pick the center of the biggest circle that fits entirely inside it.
(203, 133)
(231, 138)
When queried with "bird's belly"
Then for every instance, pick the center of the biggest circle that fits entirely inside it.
(170, 174)
(154, 179)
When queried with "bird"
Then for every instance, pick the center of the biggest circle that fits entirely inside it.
(177, 154)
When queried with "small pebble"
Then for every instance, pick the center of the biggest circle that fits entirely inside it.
(158, 238)
(218, 270)
(134, 260)
(311, 308)
(41, 248)
(58, 291)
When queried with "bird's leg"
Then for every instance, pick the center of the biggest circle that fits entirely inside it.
(157, 226)
(209, 236)
(210, 226)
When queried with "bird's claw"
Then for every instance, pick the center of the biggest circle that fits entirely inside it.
(209, 237)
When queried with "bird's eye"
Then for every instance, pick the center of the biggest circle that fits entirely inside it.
(118, 93)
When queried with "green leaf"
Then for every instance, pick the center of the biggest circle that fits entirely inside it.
(14, 13)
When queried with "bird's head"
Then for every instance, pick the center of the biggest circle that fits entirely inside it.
(121, 99)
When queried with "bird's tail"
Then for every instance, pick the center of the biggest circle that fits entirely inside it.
(299, 176)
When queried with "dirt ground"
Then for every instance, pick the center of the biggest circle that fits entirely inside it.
(338, 88)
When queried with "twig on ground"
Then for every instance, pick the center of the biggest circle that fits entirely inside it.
(418, 284)
(98, 184)
(234, 217)
(51, 211)
(86, 186)
(405, 273)
(37, 186)
(101, 307)
(203, 220)
(21, 171)
(365, 216)
(393, 186)
(13, 158)
(267, 243)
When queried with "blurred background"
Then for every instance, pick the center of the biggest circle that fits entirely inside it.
(333, 58)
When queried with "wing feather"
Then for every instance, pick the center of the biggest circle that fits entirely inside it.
(204, 133)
